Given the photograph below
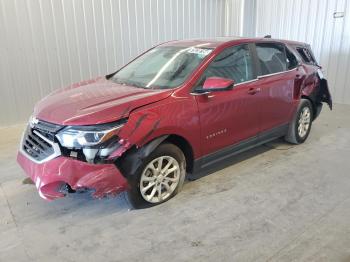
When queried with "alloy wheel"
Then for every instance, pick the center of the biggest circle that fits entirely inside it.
(304, 121)
(159, 179)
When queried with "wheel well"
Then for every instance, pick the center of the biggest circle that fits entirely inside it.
(314, 108)
(185, 147)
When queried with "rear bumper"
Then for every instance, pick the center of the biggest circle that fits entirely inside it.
(50, 176)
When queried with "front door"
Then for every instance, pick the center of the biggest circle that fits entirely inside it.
(228, 117)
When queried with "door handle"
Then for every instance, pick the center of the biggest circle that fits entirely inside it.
(253, 91)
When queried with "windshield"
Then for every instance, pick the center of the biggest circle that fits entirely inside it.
(162, 67)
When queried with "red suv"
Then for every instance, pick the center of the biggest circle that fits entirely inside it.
(178, 108)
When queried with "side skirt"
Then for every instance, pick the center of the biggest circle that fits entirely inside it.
(203, 164)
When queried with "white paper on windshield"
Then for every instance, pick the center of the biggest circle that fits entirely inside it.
(199, 51)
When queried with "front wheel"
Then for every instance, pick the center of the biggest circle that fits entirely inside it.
(300, 127)
(159, 178)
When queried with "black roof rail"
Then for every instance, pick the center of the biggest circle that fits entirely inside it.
(267, 36)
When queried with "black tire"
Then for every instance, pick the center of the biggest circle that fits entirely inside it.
(293, 136)
(134, 195)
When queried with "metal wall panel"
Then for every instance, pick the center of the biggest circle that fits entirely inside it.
(47, 44)
(312, 21)
(234, 14)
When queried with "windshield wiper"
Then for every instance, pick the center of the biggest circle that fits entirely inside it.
(135, 84)
(129, 83)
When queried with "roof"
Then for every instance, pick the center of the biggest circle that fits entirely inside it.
(217, 41)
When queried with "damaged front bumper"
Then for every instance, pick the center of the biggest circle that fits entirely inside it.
(52, 176)
(58, 169)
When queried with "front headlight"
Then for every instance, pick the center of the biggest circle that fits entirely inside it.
(87, 136)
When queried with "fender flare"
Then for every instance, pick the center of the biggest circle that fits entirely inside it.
(131, 160)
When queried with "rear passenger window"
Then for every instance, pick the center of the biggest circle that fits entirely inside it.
(306, 55)
(272, 58)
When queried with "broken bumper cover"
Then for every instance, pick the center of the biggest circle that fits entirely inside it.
(49, 177)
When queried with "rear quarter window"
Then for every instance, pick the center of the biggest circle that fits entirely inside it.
(306, 55)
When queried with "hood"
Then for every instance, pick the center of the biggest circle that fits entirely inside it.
(94, 102)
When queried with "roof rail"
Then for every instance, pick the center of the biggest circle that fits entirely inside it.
(267, 36)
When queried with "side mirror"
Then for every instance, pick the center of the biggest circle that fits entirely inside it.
(218, 84)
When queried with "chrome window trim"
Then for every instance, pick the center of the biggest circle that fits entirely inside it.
(278, 73)
(200, 93)
(55, 146)
(252, 80)
(246, 82)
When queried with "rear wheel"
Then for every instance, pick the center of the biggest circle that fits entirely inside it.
(300, 127)
(159, 178)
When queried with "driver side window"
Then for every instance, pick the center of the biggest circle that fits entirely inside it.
(233, 63)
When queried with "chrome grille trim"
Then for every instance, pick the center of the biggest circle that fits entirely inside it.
(38, 148)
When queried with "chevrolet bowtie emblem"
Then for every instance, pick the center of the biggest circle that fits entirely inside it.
(33, 121)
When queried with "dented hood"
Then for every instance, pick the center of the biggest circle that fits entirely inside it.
(94, 102)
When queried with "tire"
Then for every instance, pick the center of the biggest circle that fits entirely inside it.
(148, 174)
(299, 128)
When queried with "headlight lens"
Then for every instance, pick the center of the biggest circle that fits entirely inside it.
(87, 136)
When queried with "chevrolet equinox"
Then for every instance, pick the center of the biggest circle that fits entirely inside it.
(177, 109)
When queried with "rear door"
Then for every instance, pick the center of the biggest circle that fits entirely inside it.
(277, 79)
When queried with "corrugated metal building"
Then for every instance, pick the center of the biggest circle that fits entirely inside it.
(324, 24)
(47, 44)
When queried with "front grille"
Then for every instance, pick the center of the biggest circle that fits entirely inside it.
(39, 141)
